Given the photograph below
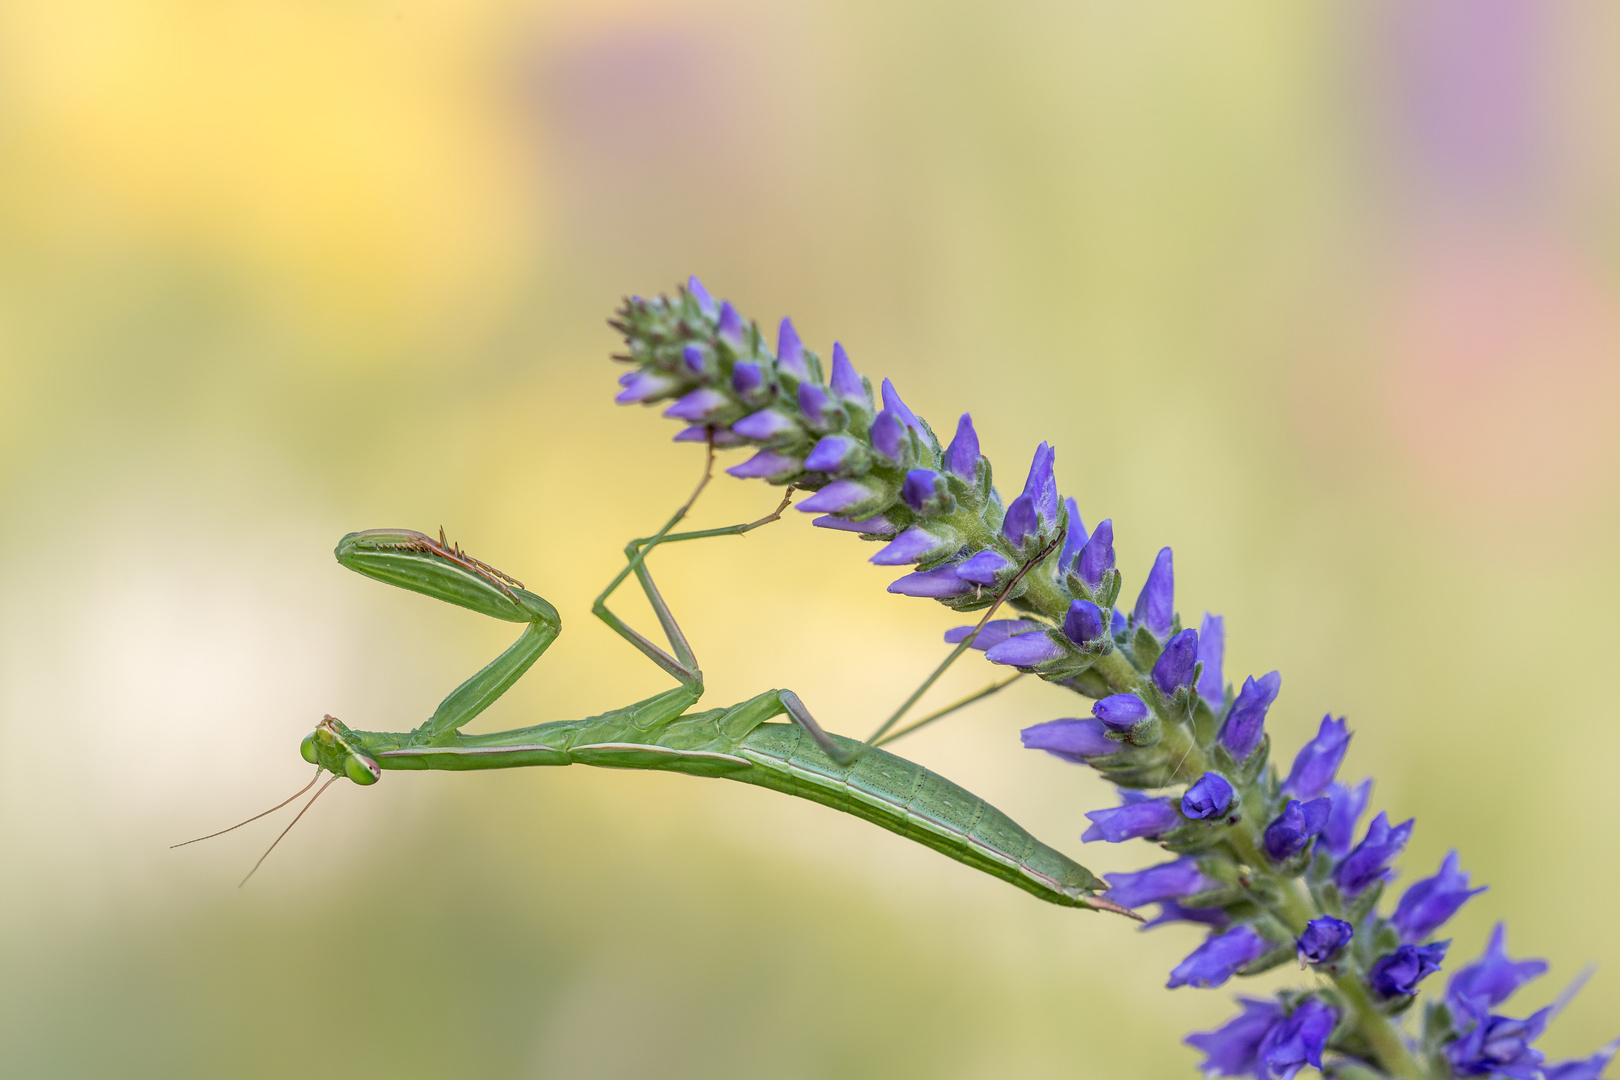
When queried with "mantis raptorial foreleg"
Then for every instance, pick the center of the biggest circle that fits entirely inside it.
(436, 568)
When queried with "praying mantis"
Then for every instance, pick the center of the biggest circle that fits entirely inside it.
(740, 742)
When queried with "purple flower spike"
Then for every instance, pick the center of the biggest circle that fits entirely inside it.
(1323, 938)
(981, 569)
(872, 526)
(1211, 653)
(1097, 557)
(906, 548)
(1219, 958)
(1149, 817)
(887, 432)
(1369, 862)
(846, 382)
(746, 377)
(698, 405)
(1294, 827)
(1167, 881)
(933, 584)
(1340, 832)
(1318, 760)
(1156, 606)
(994, 633)
(1174, 668)
(832, 454)
(1083, 622)
(765, 464)
(1074, 539)
(693, 358)
(1430, 902)
(1021, 521)
(644, 386)
(1399, 972)
(1498, 1045)
(765, 425)
(1041, 484)
(1298, 1041)
(1495, 976)
(813, 402)
(1072, 740)
(1209, 797)
(705, 302)
(893, 404)
(1247, 720)
(924, 491)
(731, 325)
(1120, 712)
(1234, 1048)
(962, 456)
(837, 497)
(1025, 650)
(790, 351)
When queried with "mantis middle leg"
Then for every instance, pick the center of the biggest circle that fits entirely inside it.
(683, 664)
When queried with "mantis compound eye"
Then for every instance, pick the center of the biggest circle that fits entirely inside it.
(307, 751)
(362, 770)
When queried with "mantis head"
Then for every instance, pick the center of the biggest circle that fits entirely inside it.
(334, 748)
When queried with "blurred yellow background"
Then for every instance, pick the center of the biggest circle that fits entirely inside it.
(1324, 296)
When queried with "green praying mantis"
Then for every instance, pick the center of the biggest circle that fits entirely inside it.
(742, 742)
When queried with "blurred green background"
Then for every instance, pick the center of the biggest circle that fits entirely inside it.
(1323, 295)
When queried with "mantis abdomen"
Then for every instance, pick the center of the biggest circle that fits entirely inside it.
(908, 799)
(889, 791)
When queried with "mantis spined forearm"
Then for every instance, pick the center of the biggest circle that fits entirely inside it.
(741, 742)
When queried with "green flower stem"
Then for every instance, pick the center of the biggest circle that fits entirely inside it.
(1379, 1030)
(1119, 673)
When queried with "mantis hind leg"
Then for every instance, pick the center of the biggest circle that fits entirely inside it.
(744, 717)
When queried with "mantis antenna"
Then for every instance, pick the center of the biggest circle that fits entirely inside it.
(290, 824)
(255, 817)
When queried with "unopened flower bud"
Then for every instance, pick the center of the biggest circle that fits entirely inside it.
(1097, 557)
(962, 456)
(984, 567)
(1120, 712)
(1175, 666)
(1209, 797)
(1246, 721)
(790, 351)
(1083, 622)
(1156, 605)
(1323, 938)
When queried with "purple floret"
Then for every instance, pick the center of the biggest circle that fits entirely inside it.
(1318, 760)
(1233, 1049)
(1148, 817)
(1219, 958)
(1246, 720)
(1073, 740)
(1429, 903)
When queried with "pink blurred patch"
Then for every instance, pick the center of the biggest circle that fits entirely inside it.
(1504, 374)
